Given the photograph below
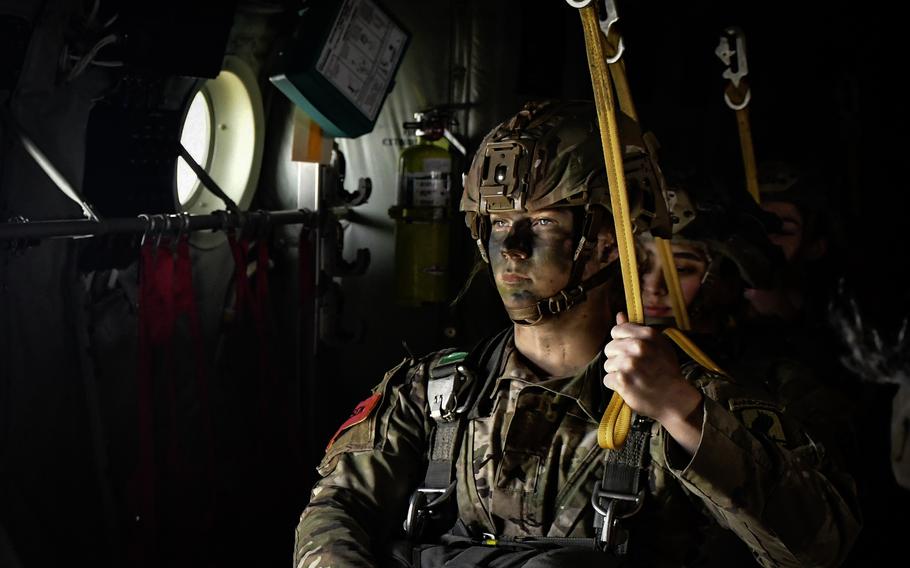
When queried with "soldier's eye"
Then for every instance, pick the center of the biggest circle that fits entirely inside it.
(499, 223)
(544, 221)
(686, 269)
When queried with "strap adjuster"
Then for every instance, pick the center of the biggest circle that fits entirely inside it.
(564, 300)
(609, 515)
(420, 507)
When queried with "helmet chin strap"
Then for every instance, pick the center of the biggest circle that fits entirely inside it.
(563, 300)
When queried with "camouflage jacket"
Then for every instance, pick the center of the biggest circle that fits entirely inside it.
(755, 483)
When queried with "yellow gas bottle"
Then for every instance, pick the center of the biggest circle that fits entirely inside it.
(422, 216)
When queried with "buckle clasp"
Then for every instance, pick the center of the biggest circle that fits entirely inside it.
(608, 515)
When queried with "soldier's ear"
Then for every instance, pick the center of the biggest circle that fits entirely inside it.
(606, 246)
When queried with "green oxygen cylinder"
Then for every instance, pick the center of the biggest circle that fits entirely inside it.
(422, 216)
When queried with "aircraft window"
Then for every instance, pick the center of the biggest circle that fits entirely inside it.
(196, 137)
(224, 130)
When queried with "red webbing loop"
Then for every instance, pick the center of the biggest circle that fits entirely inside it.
(184, 298)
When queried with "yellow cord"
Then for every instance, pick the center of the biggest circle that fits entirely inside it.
(745, 143)
(671, 277)
(692, 350)
(627, 106)
(615, 424)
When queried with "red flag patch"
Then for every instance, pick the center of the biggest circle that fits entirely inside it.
(361, 412)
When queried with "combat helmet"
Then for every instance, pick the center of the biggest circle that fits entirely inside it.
(549, 155)
(805, 187)
(730, 225)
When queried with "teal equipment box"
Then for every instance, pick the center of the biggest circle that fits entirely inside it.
(341, 64)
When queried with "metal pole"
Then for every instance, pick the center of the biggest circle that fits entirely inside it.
(220, 220)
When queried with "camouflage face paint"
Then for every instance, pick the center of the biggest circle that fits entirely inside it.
(531, 254)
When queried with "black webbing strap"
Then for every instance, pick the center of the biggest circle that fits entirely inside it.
(620, 492)
(452, 394)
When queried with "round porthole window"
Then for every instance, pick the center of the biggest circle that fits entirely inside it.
(196, 137)
(224, 132)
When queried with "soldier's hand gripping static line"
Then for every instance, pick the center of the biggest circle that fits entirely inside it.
(607, 73)
(643, 369)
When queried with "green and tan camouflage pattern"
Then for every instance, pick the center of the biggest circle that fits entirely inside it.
(528, 469)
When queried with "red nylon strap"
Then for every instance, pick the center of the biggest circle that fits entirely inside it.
(166, 293)
(252, 304)
(156, 331)
(185, 305)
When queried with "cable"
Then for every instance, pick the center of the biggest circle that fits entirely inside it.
(79, 68)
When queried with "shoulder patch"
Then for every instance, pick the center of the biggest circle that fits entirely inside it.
(360, 413)
(761, 417)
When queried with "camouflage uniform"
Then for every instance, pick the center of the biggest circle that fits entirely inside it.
(529, 466)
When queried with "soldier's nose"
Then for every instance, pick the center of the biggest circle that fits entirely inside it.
(514, 254)
(516, 246)
(653, 282)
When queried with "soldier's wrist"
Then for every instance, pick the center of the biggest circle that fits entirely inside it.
(683, 420)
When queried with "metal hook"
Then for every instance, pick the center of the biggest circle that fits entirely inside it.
(732, 51)
(175, 230)
(607, 22)
(147, 230)
(167, 226)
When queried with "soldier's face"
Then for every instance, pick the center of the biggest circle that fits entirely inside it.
(790, 237)
(531, 254)
(691, 264)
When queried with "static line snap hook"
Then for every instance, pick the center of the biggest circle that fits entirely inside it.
(609, 18)
(732, 51)
(607, 22)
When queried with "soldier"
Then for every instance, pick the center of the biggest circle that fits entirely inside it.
(717, 257)
(503, 439)
(797, 199)
(718, 252)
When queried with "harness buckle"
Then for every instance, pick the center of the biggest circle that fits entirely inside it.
(442, 394)
(608, 515)
(421, 507)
